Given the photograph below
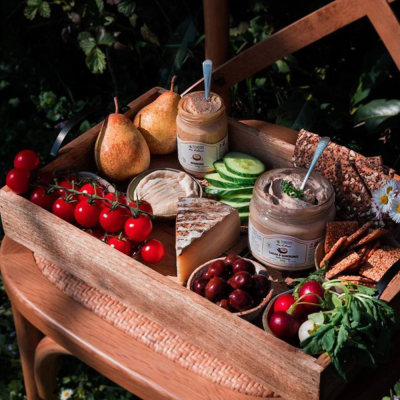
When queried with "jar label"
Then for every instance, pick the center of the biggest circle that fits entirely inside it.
(201, 156)
(282, 251)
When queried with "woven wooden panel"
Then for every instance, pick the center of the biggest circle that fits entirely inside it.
(150, 333)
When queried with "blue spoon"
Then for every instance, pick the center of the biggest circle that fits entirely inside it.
(207, 71)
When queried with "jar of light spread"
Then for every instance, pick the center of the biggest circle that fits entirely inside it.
(285, 226)
(202, 131)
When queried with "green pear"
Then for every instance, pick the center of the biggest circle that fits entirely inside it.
(120, 151)
(157, 122)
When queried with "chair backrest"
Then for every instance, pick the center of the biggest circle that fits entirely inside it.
(296, 36)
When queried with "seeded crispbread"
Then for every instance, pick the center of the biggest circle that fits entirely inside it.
(359, 280)
(371, 237)
(333, 251)
(343, 263)
(380, 262)
(373, 248)
(363, 254)
(337, 229)
(372, 178)
(358, 234)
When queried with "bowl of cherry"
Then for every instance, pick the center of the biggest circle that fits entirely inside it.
(236, 284)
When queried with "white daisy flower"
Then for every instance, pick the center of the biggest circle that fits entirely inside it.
(376, 210)
(394, 211)
(382, 199)
(66, 394)
(391, 188)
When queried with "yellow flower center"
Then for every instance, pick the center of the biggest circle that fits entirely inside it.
(384, 199)
(398, 208)
(389, 189)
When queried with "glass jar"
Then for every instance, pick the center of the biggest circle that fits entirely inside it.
(202, 131)
(284, 230)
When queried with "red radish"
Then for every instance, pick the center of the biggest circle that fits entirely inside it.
(315, 289)
(285, 301)
(283, 325)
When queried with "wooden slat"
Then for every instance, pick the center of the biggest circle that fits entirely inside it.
(302, 33)
(387, 26)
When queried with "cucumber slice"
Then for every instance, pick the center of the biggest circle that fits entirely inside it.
(244, 217)
(217, 181)
(228, 192)
(241, 207)
(239, 198)
(229, 176)
(243, 164)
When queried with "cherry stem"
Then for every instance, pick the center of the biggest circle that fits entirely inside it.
(292, 308)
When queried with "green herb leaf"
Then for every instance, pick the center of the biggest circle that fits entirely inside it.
(96, 61)
(318, 318)
(291, 190)
(127, 7)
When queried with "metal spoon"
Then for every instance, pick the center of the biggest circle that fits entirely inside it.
(318, 151)
(207, 71)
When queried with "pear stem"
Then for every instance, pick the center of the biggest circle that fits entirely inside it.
(116, 105)
(173, 83)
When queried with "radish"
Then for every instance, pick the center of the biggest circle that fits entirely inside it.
(313, 289)
(306, 329)
(285, 302)
(283, 325)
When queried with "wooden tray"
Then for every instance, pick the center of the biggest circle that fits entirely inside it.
(152, 290)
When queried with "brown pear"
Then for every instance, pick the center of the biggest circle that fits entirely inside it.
(120, 151)
(157, 122)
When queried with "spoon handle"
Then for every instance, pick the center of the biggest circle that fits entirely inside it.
(318, 151)
(207, 71)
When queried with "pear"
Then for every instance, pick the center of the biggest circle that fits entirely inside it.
(120, 151)
(157, 122)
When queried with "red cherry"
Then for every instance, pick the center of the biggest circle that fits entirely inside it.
(217, 268)
(240, 300)
(243, 265)
(199, 286)
(231, 258)
(241, 280)
(216, 289)
(224, 303)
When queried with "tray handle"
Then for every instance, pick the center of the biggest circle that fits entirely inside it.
(69, 126)
(386, 278)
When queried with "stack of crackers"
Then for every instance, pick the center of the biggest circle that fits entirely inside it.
(354, 177)
(355, 254)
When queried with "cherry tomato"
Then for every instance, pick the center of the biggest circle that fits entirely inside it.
(18, 180)
(138, 229)
(285, 301)
(104, 238)
(97, 232)
(27, 159)
(112, 220)
(143, 205)
(65, 209)
(42, 199)
(62, 192)
(121, 244)
(153, 251)
(71, 177)
(87, 214)
(111, 196)
(89, 189)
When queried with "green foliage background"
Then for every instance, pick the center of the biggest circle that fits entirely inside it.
(61, 56)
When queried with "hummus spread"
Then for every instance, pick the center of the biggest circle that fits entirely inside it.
(315, 192)
(284, 230)
(163, 188)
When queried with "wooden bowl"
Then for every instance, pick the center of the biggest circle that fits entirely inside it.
(253, 313)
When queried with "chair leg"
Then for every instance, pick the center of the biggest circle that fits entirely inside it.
(46, 367)
(28, 339)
